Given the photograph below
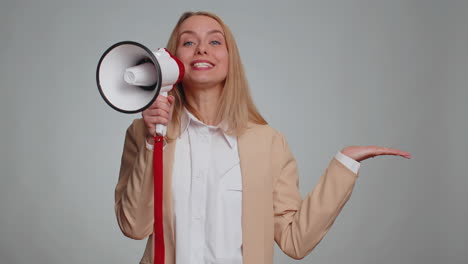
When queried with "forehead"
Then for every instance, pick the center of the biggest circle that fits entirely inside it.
(200, 24)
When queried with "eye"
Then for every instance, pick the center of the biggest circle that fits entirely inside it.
(188, 43)
(215, 42)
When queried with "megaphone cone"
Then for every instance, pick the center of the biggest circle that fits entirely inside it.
(111, 71)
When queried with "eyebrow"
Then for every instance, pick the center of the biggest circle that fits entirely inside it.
(193, 32)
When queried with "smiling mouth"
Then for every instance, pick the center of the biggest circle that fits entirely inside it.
(202, 65)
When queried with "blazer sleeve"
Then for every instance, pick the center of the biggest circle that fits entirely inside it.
(301, 224)
(134, 190)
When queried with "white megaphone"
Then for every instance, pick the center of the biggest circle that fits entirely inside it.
(130, 76)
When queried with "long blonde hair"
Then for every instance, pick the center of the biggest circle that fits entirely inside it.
(235, 106)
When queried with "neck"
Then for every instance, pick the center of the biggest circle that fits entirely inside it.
(205, 101)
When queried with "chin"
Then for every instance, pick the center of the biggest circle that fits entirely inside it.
(201, 81)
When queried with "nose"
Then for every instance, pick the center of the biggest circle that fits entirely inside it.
(201, 49)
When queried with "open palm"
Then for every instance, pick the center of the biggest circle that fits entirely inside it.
(360, 153)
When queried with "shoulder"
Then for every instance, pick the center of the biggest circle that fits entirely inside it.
(266, 145)
(264, 133)
(263, 129)
(137, 129)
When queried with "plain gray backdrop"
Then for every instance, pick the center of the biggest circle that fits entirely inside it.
(325, 73)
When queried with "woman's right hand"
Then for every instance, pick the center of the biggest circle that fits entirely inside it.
(160, 112)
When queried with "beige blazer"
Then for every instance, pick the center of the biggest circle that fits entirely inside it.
(272, 208)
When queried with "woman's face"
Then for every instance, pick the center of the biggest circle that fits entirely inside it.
(203, 51)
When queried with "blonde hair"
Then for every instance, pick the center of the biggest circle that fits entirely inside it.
(235, 105)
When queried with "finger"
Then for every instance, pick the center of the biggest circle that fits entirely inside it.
(165, 107)
(160, 102)
(144, 114)
(158, 112)
(153, 121)
(162, 121)
(162, 98)
(171, 99)
(150, 117)
(395, 152)
(391, 151)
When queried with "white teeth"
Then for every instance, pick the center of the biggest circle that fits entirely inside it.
(202, 65)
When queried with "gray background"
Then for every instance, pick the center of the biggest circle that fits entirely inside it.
(325, 73)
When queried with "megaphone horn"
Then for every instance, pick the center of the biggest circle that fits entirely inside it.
(130, 76)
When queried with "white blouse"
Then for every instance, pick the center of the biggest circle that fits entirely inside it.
(207, 194)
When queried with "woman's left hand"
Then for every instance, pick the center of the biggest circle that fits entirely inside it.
(360, 153)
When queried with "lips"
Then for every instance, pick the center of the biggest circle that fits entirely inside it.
(201, 65)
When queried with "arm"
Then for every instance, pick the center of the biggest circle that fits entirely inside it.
(301, 224)
(134, 190)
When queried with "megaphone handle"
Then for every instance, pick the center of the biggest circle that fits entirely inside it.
(161, 129)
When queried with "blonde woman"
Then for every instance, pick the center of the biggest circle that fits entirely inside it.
(230, 180)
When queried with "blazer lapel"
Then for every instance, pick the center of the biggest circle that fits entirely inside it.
(253, 232)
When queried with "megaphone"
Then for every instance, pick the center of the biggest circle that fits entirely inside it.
(130, 76)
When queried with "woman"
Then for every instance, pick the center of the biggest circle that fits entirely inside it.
(230, 181)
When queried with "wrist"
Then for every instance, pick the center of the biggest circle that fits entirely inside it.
(348, 151)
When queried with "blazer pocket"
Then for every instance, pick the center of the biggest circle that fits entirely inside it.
(234, 188)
